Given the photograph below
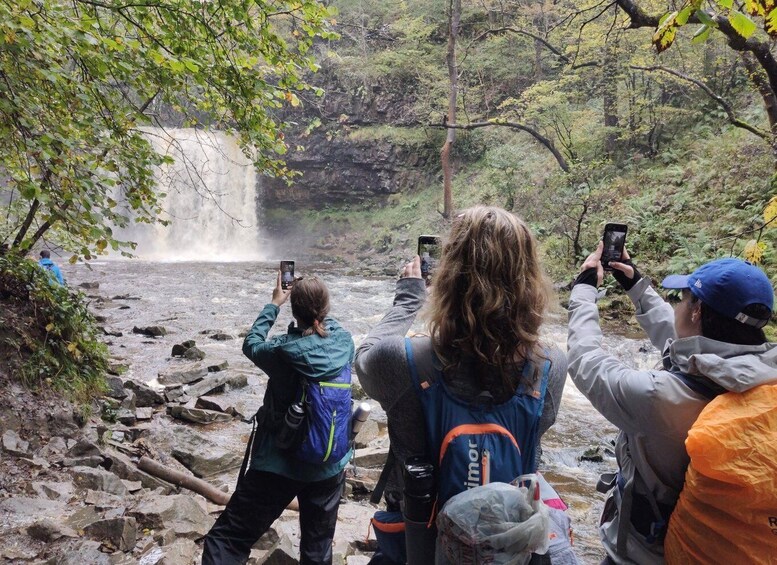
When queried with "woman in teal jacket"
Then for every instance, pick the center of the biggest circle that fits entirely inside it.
(317, 347)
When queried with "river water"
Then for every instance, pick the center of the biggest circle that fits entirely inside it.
(195, 300)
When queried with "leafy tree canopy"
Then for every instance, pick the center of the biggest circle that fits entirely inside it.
(81, 82)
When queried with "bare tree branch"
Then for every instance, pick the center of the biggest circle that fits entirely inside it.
(732, 117)
(548, 143)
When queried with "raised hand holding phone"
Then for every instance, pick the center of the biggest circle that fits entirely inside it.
(287, 274)
(429, 253)
(614, 239)
(280, 294)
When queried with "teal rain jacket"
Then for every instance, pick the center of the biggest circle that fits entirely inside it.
(52, 269)
(283, 358)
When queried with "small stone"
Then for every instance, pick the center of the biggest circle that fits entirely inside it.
(151, 331)
(145, 413)
(218, 367)
(194, 354)
(47, 531)
(593, 454)
(221, 337)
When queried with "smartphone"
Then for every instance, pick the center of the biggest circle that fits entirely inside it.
(287, 274)
(429, 251)
(614, 239)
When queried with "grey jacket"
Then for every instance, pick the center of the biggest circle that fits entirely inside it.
(653, 409)
(381, 364)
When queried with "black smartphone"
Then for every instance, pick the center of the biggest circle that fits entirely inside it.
(614, 239)
(287, 274)
(429, 251)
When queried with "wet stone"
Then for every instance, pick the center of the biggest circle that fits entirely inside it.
(183, 375)
(98, 479)
(47, 530)
(221, 337)
(151, 331)
(14, 444)
(218, 367)
(82, 552)
(197, 415)
(216, 403)
(194, 354)
(145, 395)
(120, 532)
(53, 490)
(115, 387)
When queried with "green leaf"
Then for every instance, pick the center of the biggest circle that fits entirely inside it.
(701, 34)
(743, 25)
(684, 14)
(705, 18)
(726, 4)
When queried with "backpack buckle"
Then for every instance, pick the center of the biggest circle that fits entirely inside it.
(657, 531)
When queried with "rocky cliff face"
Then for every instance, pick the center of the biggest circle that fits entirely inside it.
(339, 167)
(341, 171)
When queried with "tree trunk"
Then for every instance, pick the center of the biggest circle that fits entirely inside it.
(610, 99)
(454, 18)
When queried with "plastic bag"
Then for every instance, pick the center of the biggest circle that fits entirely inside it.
(494, 523)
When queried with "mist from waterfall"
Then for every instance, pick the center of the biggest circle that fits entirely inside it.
(210, 201)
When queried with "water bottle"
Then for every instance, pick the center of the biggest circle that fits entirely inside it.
(360, 415)
(419, 495)
(290, 432)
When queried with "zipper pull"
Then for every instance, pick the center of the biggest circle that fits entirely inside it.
(485, 462)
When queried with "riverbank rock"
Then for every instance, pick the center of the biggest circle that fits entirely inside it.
(150, 331)
(180, 513)
(194, 354)
(144, 395)
(120, 533)
(198, 415)
(202, 456)
(98, 479)
(184, 374)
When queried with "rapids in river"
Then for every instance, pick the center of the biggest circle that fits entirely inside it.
(194, 300)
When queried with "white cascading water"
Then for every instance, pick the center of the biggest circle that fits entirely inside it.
(210, 201)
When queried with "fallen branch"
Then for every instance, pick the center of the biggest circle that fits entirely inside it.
(183, 480)
(191, 482)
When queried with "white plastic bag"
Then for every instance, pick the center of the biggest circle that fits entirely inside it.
(494, 523)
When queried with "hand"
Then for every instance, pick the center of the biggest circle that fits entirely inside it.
(624, 271)
(412, 270)
(279, 295)
(593, 261)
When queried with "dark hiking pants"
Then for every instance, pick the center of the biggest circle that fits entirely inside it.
(258, 500)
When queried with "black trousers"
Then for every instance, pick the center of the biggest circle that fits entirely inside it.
(258, 500)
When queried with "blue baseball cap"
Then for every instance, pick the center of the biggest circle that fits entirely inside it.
(728, 286)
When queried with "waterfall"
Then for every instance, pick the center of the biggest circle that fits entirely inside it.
(210, 201)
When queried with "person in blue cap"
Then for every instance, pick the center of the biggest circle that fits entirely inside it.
(47, 264)
(711, 342)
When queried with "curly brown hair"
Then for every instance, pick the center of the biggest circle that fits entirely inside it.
(490, 294)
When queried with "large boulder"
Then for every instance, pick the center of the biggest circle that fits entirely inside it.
(183, 374)
(121, 532)
(180, 513)
(144, 394)
(98, 479)
(123, 467)
(202, 456)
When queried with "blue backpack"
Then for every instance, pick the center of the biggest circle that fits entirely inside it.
(481, 442)
(327, 418)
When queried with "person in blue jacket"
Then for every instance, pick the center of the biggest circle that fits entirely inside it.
(317, 347)
(46, 263)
